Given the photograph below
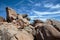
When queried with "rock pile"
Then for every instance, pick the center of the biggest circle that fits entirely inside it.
(18, 27)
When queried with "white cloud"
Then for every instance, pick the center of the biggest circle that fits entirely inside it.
(56, 6)
(52, 5)
(36, 16)
(38, 4)
(45, 13)
(39, 15)
(43, 19)
(48, 5)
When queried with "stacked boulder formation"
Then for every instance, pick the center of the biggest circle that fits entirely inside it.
(15, 27)
(18, 27)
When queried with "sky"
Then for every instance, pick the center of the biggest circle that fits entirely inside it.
(36, 9)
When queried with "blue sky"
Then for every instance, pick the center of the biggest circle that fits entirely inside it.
(36, 9)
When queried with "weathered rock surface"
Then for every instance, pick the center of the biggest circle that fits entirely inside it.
(11, 14)
(8, 31)
(18, 27)
(14, 27)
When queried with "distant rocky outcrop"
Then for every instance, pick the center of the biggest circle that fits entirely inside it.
(55, 23)
(2, 19)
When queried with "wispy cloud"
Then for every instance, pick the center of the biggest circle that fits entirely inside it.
(19, 3)
(48, 5)
(44, 13)
(31, 1)
(36, 9)
(49, 15)
(37, 17)
(38, 4)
